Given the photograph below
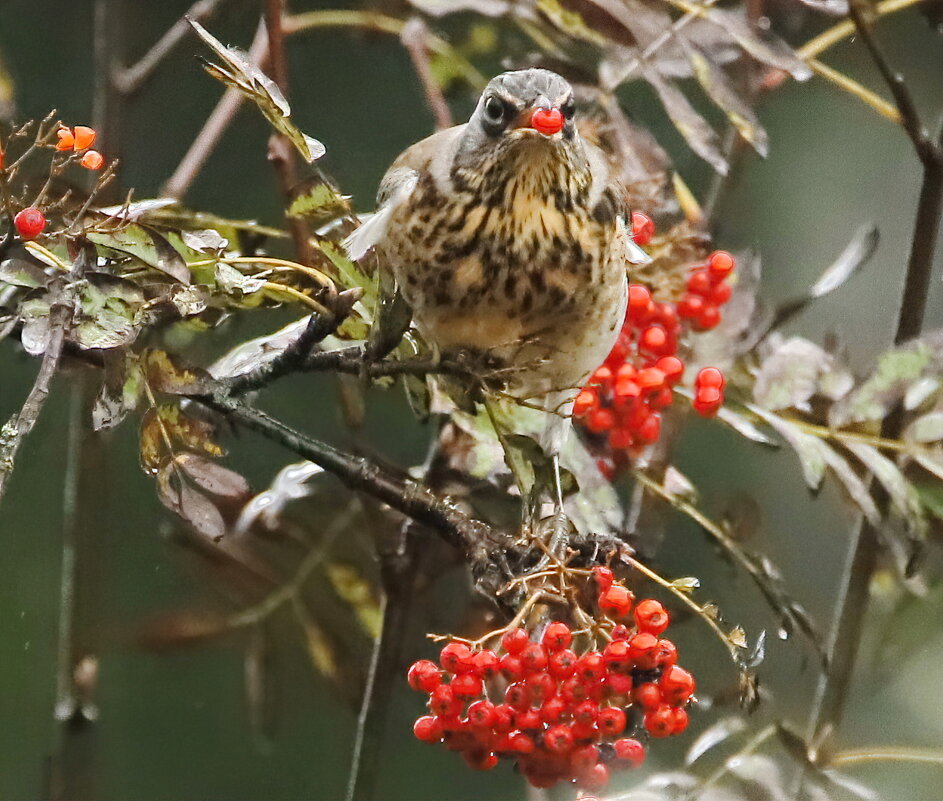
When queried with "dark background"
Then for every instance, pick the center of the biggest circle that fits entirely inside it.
(175, 725)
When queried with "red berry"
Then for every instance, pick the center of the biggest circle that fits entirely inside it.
(583, 730)
(639, 298)
(650, 429)
(534, 657)
(611, 721)
(557, 636)
(666, 653)
(648, 696)
(643, 649)
(661, 399)
(515, 640)
(643, 228)
(660, 722)
(562, 664)
(553, 710)
(604, 577)
(617, 598)
(541, 685)
(428, 729)
(443, 702)
(92, 160)
(720, 294)
(522, 743)
(721, 264)
(466, 685)
(602, 375)
(84, 137)
(29, 223)
(584, 758)
(600, 420)
(511, 667)
(503, 718)
(558, 740)
(672, 367)
(480, 760)
(617, 656)
(710, 377)
(596, 778)
(619, 632)
(629, 751)
(699, 283)
(690, 306)
(679, 720)
(651, 616)
(677, 685)
(620, 439)
(591, 666)
(456, 657)
(585, 401)
(709, 317)
(651, 378)
(618, 685)
(547, 121)
(528, 720)
(517, 695)
(653, 338)
(424, 676)
(485, 664)
(481, 713)
(585, 713)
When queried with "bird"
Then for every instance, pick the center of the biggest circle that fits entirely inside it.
(507, 236)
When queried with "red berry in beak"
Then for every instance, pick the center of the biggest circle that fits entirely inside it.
(547, 121)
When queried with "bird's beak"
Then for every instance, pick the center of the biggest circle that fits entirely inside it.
(542, 117)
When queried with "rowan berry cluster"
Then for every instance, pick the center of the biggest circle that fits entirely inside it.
(621, 404)
(558, 714)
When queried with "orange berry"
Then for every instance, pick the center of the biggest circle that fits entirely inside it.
(585, 401)
(66, 139)
(92, 160)
(84, 138)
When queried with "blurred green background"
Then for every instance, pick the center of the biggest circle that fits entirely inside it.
(175, 725)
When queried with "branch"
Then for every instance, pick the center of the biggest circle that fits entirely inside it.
(129, 80)
(927, 151)
(414, 38)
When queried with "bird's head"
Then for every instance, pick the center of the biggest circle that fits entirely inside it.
(526, 111)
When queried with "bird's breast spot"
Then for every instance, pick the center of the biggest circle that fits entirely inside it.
(480, 329)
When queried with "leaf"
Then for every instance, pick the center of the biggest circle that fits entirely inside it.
(744, 427)
(570, 22)
(34, 312)
(189, 504)
(207, 240)
(699, 135)
(165, 427)
(351, 586)
(241, 74)
(720, 89)
(181, 628)
(188, 300)
(214, 479)
(110, 311)
(120, 391)
(145, 244)
(320, 203)
(164, 374)
(737, 637)
(926, 428)
(233, 282)
(896, 371)
(808, 448)
(687, 585)
(904, 498)
(678, 485)
(921, 391)
(792, 371)
(319, 647)
(856, 253)
(714, 735)
(138, 209)
(762, 775)
(19, 272)
(289, 484)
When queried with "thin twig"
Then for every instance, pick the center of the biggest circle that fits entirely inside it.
(131, 79)
(215, 126)
(886, 753)
(414, 37)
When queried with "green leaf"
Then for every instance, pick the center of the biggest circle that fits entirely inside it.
(19, 272)
(110, 312)
(904, 498)
(320, 203)
(926, 428)
(147, 245)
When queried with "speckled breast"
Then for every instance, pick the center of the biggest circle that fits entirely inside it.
(530, 275)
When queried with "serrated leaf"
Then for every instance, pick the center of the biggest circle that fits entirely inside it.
(721, 90)
(699, 135)
(320, 203)
(146, 244)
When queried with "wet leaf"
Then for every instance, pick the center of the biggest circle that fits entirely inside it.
(713, 736)
(189, 503)
(164, 374)
(808, 448)
(289, 484)
(147, 245)
(34, 311)
(19, 272)
(188, 300)
(699, 135)
(791, 372)
(138, 209)
(921, 391)
(833, 8)
(110, 311)
(904, 498)
(441, 8)
(720, 89)
(164, 429)
(233, 282)
(120, 392)
(762, 775)
(207, 240)
(743, 426)
(926, 428)
(687, 585)
(320, 203)
(353, 588)
(241, 74)
(211, 477)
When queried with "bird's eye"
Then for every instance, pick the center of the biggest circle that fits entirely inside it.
(568, 108)
(494, 110)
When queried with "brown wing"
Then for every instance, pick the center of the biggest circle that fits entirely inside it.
(415, 159)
